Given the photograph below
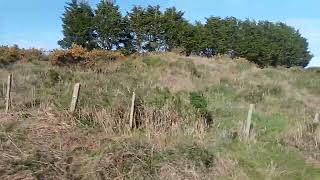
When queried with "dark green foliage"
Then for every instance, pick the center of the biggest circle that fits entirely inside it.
(109, 25)
(149, 29)
(199, 102)
(221, 34)
(173, 24)
(145, 25)
(264, 43)
(272, 44)
(78, 25)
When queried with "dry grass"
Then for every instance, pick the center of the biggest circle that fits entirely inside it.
(188, 117)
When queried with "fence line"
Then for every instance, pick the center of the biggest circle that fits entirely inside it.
(247, 125)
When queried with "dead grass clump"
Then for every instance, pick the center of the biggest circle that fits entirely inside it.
(149, 119)
(304, 136)
(176, 81)
(224, 167)
(159, 120)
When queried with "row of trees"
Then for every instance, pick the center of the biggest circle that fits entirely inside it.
(150, 29)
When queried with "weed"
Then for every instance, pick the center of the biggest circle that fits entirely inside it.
(198, 101)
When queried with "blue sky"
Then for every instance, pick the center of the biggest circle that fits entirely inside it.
(36, 23)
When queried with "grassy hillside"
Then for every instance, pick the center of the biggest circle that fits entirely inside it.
(189, 116)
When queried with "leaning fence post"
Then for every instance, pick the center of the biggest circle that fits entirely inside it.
(8, 97)
(132, 110)
(248, 123)
(75, 97)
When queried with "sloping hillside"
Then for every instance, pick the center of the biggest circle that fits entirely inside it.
(189, 117)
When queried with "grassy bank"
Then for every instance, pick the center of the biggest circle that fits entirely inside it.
(189, 115)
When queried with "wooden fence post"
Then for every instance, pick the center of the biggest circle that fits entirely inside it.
(75, 97)
(248, 123)
(132, 110)
(3, 89)
(8, 96)
(316, 118)
(33, 96)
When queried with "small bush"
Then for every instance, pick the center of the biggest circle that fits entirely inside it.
(199, 102)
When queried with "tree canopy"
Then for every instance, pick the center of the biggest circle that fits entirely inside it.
(149, 29)
(78, 25)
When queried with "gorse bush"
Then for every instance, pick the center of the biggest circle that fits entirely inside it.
(78, 54)
(9, 55)
(14, 53)
(150, 29)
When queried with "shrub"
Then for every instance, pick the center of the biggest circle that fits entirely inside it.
(75, 54)
(57, 56)
(78, 54)
(33, 54)
(199, 102)
(13, 54)
(97, 54)
(9, 54)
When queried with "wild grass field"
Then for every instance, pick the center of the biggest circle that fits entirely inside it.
(189, 114)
